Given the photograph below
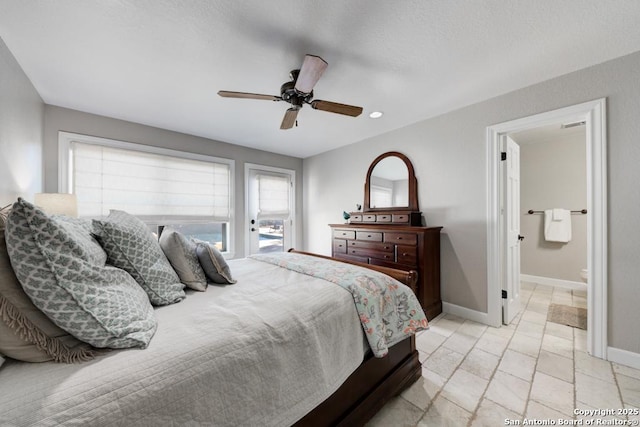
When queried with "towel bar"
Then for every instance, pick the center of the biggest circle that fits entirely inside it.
(531, 211)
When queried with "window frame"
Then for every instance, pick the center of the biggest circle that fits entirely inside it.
(64, 171)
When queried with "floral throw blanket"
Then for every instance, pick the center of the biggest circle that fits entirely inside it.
(388, 310)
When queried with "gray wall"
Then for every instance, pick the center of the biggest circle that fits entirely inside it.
(21, 122)
(62, 119)
(553, 174)
(449, 156)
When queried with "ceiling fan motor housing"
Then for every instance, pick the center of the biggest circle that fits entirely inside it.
(289, 93)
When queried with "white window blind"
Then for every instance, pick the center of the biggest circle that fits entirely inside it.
(380, 197)
(273, 195)
(154, 187)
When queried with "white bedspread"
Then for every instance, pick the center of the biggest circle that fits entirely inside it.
(262, 352)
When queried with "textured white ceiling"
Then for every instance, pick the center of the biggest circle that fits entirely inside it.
(161, 62)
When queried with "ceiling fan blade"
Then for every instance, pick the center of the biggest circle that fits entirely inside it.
(289, 118)
(245, 95)
(312, 68)
(334, 107)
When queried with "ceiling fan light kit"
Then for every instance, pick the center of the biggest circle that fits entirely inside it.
(299, 91)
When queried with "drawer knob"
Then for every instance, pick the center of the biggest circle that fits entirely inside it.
(368, 235)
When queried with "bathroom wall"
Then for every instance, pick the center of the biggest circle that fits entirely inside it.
(553, 174)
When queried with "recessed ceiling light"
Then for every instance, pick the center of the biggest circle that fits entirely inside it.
(376, 114)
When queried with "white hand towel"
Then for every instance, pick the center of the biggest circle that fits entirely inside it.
(558, 214)
(557, 225)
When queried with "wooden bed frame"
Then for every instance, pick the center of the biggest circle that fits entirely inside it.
(376, 380)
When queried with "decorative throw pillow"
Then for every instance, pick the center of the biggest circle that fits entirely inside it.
(4, 213)
(213, 263)
(25, 332)
(57, 267)
(181, 253)
(130, 246)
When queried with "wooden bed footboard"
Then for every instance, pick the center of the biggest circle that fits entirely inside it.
(368, 389)
(375, 381)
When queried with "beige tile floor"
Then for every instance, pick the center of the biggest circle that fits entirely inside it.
(475, 375)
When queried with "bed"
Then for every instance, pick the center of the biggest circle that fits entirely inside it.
(280, 347)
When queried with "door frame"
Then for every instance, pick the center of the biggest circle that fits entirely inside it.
(594, 114)
(292, 200)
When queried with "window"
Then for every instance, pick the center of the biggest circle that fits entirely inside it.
(380, 197)
(190, 192)
(273, 195)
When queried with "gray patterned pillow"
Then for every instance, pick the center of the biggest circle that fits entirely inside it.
(26, 333)
(131, 246)
(57, 266)
(181, 253)
(214, 264)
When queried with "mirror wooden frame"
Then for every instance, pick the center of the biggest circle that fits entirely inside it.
(413, 185)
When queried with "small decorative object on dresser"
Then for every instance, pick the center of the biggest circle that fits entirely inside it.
(389, 231)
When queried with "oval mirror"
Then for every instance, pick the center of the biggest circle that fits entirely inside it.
(391, 184)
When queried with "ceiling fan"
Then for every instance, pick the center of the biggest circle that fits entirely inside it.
(299, 91)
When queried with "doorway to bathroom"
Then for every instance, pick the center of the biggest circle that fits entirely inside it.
(553, 221)
(503, 260)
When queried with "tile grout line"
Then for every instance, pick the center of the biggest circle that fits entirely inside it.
(482, 397)
(439, 392)
(535, 366)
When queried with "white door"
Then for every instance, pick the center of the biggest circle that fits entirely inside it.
(269, 209)
(511, 221)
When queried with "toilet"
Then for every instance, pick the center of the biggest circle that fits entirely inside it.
(584, 275)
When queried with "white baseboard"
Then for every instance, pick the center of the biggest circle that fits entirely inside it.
(559, 283)
(623, 357)
(465, 313)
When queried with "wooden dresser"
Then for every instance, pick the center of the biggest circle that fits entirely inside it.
(397, 246)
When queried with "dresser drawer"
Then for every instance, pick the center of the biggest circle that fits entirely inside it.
(400, 218)
(383, 218)
(369, 236)
(339, 246)
(376, 246)
(344, 234)
(407, 254)
(355, 218)
(365, 252)
(401, 238)
(369, 218)
(382, 256)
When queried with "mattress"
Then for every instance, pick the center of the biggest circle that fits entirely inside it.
(264, 351)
